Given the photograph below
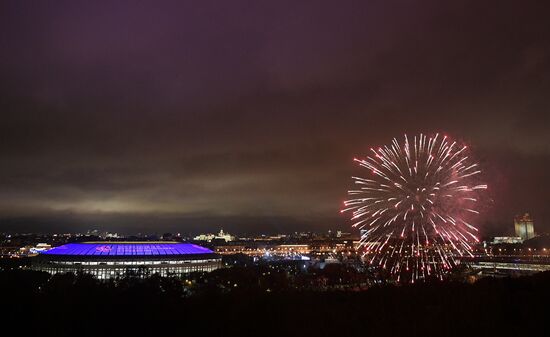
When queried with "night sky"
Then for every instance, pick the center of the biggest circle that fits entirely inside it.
(190, 116)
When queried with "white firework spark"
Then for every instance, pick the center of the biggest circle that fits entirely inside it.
(414, 209)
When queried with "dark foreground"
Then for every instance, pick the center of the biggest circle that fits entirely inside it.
(32, 304)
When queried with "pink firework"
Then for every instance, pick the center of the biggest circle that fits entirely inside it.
(416, 206)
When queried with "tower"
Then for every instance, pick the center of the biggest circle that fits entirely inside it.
(524, 226)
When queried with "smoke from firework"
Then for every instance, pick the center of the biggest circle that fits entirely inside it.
(415, 207)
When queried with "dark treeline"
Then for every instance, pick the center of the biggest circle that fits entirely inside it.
(33, 303)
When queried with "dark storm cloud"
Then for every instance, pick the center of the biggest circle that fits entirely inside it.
(142, 113)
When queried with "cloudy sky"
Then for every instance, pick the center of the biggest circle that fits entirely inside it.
(188, 116)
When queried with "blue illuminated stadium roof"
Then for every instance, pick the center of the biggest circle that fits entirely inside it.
(127, 249)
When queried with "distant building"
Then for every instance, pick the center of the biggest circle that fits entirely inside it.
(506, 239)
(32, 251)
(112, 235)
(204, 237)
(292, 248)
(340, 234)
(209, 237)
(524, 226)
(103, 235)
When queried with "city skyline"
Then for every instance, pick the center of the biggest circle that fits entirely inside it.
(248, 116)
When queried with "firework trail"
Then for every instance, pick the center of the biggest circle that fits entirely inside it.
(415, 207)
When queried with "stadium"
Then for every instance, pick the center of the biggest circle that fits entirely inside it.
(107, 260)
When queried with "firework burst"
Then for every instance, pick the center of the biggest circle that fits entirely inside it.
(414, 209)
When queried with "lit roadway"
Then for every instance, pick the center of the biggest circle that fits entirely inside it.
(514, 263)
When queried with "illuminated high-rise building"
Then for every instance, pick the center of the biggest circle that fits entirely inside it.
(524, 226)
